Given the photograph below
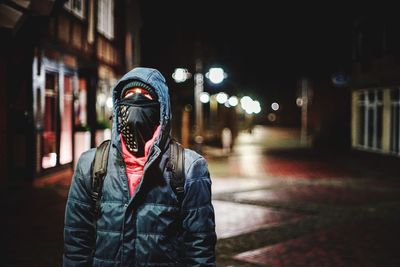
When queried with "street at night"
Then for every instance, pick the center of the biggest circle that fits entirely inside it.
(280, 204)
(276, 202)
(228, 134)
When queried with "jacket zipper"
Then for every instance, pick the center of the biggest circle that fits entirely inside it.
(148, 163)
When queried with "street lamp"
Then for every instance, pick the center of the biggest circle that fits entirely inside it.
(204, 97)
(180, 75)
(215, 75)
(233, 101)
(249, 105)
(222, 98)
(275, 106)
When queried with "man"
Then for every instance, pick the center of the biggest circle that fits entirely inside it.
(141, 221)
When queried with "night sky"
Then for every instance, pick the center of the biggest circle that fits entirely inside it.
(264, 46)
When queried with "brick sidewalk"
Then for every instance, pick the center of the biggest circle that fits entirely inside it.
(367, 243)
(31, 226)
(348, 204)
(359, 228)
(296, 207)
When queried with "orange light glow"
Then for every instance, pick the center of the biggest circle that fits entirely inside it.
(137, 90)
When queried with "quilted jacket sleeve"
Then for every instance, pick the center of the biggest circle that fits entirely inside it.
(78, 225)
(198, 217)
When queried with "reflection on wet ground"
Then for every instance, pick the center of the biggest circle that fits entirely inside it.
(276, 204)
(280, 204)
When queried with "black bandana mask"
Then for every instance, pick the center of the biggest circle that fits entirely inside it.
(138, 119)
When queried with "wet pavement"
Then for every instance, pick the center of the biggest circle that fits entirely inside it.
(305, 207)
(234, 219)
(276, 204)
(352, 244)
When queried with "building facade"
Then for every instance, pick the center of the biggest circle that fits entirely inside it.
(376, 85)
(57, 68)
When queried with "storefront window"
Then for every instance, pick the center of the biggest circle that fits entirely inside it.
(104, 107)
(395, 121)
(66, 122)
(49, 136)
(56, 128)
(370, 122)
(361, 124)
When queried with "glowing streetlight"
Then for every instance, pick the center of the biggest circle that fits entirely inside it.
(216, 75)
(299, 102)
(249, 105)
(275, 106)
(256, 107)
(233, 101)
(180, 75)
(222, 97)
(204, 97)
(245, 102)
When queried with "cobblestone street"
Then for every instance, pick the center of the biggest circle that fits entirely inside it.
(279, 204)
(276, 203)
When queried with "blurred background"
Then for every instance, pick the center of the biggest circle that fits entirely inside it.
(296, 107)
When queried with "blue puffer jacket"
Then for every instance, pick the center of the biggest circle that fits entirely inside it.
(150, 228)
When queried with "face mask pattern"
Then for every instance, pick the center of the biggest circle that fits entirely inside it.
(138, 119)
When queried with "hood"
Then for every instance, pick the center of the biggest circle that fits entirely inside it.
(156, 80)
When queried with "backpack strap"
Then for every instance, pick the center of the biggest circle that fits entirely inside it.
(99, 169)
(177, 167)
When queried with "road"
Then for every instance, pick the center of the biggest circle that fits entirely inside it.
(280, 204)
(276, 204)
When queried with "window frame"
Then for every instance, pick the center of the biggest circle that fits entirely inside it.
(78, 13)
(370, 105)
(395, 105)
(105, 18)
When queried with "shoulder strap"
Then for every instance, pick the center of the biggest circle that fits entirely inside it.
(177, 166)
(99, 169)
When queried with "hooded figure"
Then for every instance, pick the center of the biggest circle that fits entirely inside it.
(141, 221)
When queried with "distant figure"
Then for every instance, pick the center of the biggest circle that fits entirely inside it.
(226, 140)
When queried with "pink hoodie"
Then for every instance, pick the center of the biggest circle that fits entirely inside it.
(135, 165)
